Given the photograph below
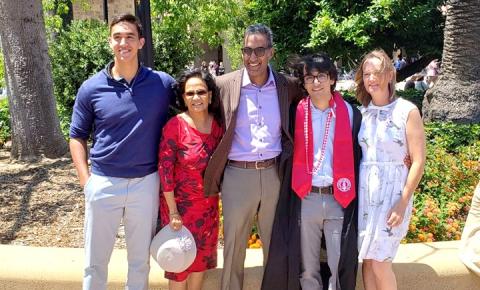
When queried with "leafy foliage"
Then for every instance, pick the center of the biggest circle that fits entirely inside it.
(289, 21)
(413, 95)
(2, 71)
(54, 10)
(443, 197)
(452, 137)
(348, 29)
(180, 27)
(349, 96)
(5, 129)
(77, 53)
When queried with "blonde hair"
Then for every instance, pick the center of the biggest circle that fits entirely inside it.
(387, 67)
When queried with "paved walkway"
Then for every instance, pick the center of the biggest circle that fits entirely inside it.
(432, 266)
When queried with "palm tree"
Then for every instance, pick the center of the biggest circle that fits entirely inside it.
(35, 126)
(456, 95)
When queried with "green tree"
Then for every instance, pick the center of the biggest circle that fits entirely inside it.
(77, 53)
(347, 29)
(289, 21)
(35, 125)
(57, 14)
(180, 27)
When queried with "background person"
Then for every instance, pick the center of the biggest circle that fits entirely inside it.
(432, 71)
(391, 129)
(220, 69)
(400, 62)
(188, 141)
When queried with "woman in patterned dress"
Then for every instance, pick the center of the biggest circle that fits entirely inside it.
(391, 129)
(188, 141)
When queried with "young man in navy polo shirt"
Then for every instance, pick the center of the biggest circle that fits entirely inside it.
(123, 107)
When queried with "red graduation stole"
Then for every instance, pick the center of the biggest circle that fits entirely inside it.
(343, 162)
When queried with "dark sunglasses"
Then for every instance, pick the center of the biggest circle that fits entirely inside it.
(259, 51)
(200, 93)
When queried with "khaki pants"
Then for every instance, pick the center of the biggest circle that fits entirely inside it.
(246, 192)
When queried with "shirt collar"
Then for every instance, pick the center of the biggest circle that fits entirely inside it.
(327, 110)
(247, 82)
(108, 71)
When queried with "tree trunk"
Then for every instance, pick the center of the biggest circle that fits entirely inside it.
(35, 126)
(456, 95)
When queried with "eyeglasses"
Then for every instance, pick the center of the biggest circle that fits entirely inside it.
(200, 93)
(309, 79)
(259, 51)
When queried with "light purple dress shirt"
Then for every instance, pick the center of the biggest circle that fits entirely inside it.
(258, 127)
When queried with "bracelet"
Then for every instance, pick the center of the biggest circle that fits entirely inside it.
(174, 213)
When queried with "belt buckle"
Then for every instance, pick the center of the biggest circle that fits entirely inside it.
(328, 190)
(256, 165)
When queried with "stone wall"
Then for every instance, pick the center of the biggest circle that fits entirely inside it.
(86, 9)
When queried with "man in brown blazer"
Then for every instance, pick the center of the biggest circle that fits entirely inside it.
(251, 161)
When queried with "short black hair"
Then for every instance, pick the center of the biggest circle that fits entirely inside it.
(319, 62)
(130, 18)
(179, 88)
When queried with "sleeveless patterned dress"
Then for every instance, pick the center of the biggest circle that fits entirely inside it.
(383, 174)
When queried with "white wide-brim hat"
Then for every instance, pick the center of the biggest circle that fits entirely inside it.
(173, 250)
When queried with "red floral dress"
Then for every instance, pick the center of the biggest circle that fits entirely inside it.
(183, 156)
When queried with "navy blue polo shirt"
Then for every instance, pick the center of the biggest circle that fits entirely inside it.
(126, 121)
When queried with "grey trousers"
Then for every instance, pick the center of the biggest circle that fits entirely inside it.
(108, 200)
(320, 213)
(246, 192)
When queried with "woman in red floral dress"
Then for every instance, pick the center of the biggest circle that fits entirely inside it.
(188, 141)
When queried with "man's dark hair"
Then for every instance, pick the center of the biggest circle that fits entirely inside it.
(319, 62)
(260, 29)
(127, 17)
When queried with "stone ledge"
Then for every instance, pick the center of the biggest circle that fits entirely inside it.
(432, 266)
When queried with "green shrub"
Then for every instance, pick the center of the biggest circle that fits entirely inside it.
(443, 196)
(4, 122)
(172, 52)
(349, 96)
(452, 136)
(77, 53)
(2, 71)
(413, 95)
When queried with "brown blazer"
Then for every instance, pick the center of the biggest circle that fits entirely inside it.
(229, 86)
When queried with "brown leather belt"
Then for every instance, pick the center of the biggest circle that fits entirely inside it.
(260, 164)
(322, 190)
